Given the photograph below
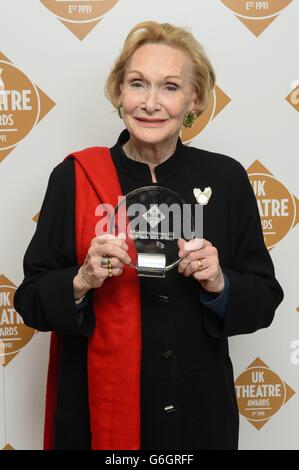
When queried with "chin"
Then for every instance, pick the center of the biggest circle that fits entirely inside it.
(152, 136)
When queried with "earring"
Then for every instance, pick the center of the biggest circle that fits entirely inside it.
(189, 119)
(120, 111)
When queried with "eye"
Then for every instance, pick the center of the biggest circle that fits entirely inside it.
(171, 87)
(136, 84)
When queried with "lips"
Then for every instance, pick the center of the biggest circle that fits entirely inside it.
(150, 121)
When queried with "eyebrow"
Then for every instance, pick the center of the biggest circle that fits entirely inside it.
(167, 76)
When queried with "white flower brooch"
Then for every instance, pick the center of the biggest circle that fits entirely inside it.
(202, 197)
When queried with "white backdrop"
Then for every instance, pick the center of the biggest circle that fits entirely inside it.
(256, 73)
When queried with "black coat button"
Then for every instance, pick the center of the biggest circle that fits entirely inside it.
(169, 408)
(167, 354)
(163, 298)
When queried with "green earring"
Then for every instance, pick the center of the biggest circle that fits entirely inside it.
(189, 119)
(120, 111)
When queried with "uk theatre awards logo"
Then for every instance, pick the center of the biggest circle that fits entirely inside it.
(256, 15)
(261, 393)
(79, 16)
(22, 106)
(14, 334)
(278, 207)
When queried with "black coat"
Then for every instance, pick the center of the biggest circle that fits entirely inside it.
(185, 358)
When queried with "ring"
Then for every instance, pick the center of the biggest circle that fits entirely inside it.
(200, 265)
(109, 267)
(105, 261)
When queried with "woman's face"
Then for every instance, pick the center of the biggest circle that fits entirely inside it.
(156, 93)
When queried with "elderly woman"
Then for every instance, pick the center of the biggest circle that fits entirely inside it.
(143, 362)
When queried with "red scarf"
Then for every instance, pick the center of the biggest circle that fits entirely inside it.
(114, 349)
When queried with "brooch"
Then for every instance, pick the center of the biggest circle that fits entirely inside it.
(202, 197)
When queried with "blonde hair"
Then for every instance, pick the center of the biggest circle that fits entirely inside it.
(203, 75)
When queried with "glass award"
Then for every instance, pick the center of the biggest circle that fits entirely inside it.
(152, 219)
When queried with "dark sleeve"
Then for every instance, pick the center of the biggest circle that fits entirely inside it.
(45, 299)
(254, 292)
(216, 302)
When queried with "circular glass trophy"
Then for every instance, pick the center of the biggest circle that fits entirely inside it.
(152, 219)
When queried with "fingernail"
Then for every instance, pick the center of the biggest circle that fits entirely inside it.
(194, 244)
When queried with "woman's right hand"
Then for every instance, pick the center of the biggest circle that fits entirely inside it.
(91, 274)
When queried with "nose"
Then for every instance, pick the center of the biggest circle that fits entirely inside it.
(151, 101)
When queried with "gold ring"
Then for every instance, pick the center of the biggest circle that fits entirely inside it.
(109, 267)
(200, 265)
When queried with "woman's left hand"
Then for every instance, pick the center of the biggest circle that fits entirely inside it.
(200, 260)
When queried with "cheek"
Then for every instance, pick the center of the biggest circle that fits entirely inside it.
(177, 108)
(130, 102)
